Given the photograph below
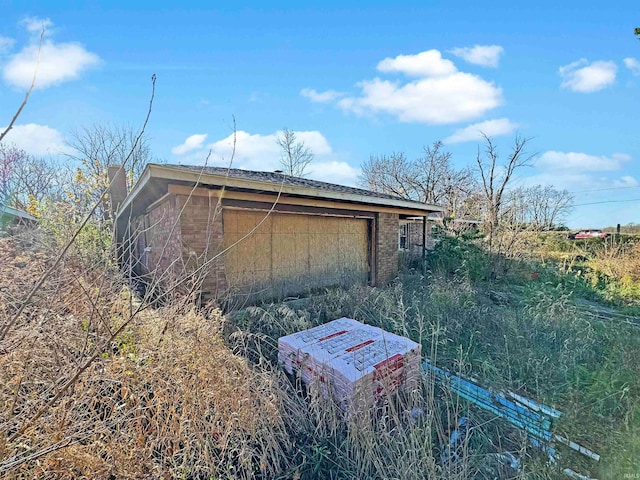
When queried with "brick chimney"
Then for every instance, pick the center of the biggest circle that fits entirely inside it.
(118, 187)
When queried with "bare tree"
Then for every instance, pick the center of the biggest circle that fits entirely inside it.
(388, 174)
(98, 146)
(430, 179)
(495, 177)
(9, 158)
(296, 156)
(541, 207)
(26, 180)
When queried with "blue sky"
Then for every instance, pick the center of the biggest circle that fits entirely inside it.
(352, 80)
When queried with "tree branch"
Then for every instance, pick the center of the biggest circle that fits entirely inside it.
(26, 97)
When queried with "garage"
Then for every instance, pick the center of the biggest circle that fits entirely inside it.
(223, 234)
(288, 253)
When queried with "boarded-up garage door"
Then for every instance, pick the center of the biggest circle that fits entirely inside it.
(290, 253)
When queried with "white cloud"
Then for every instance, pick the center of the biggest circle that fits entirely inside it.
(6, 44)
(424, 64)
(193, 142)
(35, 25)
(576, 163)
(626, 181)
(584, 183)
(633, 65)
(320, 97)
(35, 139)
(440, 100)
(566, 181)
(491, 128)
(485, 55)
(334, 172)
(252, 152)
(315, 141)
(584, 174)
(584, 77)
(440, 95)
(261, 152)
(623, 157)
(59, 62)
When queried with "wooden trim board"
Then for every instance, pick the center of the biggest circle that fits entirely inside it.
(286, 200)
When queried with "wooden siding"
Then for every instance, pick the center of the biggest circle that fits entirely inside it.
(293, 253)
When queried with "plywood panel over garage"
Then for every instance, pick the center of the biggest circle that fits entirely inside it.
(293, 253)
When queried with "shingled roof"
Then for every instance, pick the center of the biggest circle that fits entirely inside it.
(278, 178)
(14, 212)
(154, 181)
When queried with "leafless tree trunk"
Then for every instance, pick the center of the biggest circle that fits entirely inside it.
(495, 177)
(296, 156)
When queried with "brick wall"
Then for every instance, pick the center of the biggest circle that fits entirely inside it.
(386, 258)
(185, 247)
(198, 237)
(163, 239)
(202, 241)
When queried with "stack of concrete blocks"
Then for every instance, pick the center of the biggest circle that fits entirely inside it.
(356, 364)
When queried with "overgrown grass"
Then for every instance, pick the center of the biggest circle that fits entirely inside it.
(165, 399)
(169, 398)
(179, 394)
(516, 327)
(608, 268)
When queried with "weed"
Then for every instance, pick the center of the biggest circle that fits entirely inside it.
(179, 394)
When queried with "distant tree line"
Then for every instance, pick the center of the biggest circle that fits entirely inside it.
(73, 182)
(629, 228)
(484, 192)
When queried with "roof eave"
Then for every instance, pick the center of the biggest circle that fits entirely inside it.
(171, 173)
(16, 213)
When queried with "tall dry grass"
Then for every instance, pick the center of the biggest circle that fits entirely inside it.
(180, 393)
(165, 399)
(168, 397)
(405, 438)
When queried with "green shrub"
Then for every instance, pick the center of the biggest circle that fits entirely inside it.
(456, 257)
(60, 220)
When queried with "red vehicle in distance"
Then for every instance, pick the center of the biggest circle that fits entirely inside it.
(584, 234)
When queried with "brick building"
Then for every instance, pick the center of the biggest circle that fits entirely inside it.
(413, 229)
(219, 231)
(411, 235)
